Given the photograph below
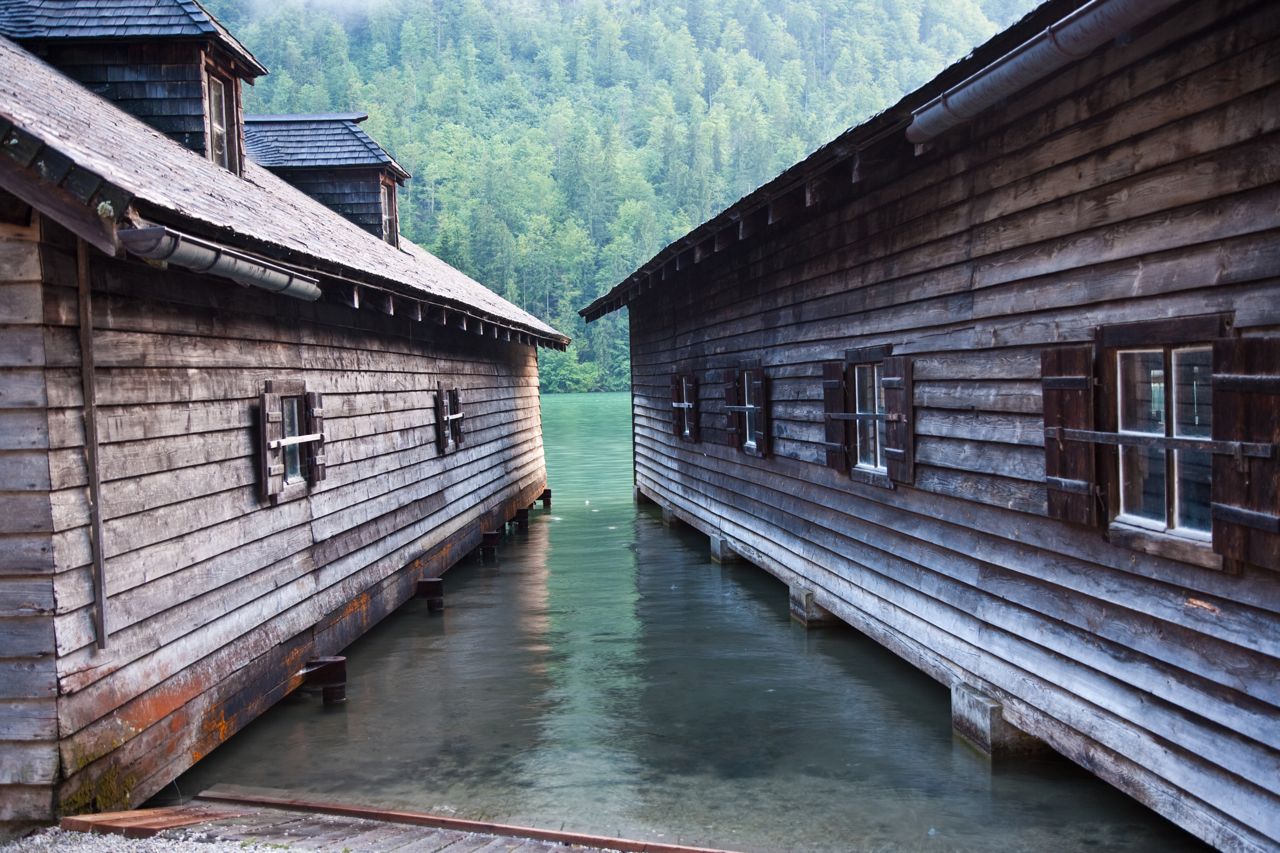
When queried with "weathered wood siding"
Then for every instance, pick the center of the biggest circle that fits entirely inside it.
(215, 598)
(28, 711)
(1140, 183)
(355, 194)
(161, 84)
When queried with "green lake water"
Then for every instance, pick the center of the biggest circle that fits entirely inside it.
(605, 676)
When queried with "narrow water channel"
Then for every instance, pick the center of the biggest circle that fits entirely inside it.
(605, 676)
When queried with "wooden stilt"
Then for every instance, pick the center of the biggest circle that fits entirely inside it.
(489, 545)
(808, 612)
(432, 589)
(329, 675)
(978, 718)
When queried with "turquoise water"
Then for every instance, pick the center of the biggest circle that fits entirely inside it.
(605, 676)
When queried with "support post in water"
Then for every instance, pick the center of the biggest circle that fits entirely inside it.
(808, 612)
(669, 518)
(546, 498)
(329, 674)
(979, 719)
(489, 545)
(640, 497)
(432, 589)
(522, 520)
(722, 553)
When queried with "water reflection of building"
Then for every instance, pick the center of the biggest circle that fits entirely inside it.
(993, 377)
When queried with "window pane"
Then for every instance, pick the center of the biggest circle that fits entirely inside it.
(1142, 482)
(684, 398)
(218, 122)
(865, 376)
(880, 425)
(1142, 391)
(748, 417)
(292, 452)
(387, 224)
(1192, 400)
(1193, 468)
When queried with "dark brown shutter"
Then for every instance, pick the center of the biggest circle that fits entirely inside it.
(761, 431)
(1069, 466)
(834, 403)
(271, 428)
(900, 426)
(692, 411)
(455, 411)
(442, 420)
(677, 413)
(315, 426)
(733, 397)
(1246, 489)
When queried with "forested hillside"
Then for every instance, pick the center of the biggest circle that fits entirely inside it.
(557, 144)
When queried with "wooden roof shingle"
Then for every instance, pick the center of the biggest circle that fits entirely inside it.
(70, 138)
(315, 142)
(51, 20)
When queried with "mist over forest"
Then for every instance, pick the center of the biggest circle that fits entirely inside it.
(555, 145)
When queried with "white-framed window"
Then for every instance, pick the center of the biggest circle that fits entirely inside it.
(684, 407)
(221, 122)
(390, 223)
(1165, 392)
(869, 407)
(746, 398)
(291, 457)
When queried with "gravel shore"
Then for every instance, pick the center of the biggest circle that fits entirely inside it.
(54, 840)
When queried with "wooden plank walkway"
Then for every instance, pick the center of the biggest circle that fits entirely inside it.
(237, 814)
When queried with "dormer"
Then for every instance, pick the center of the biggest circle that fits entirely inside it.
(330, 158)
(168, 62)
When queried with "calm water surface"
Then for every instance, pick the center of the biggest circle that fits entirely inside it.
(606, 676)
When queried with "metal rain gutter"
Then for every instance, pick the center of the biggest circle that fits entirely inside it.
(1074, 37)
(158, 243)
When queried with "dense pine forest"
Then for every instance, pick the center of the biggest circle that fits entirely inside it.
(557, 144)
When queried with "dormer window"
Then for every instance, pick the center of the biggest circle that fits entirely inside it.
(224, 131)
(218, 123)
(390, 225)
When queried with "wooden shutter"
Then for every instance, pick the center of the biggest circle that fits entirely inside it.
(456, 416)
(1245, 490)
(270, 429)
(315, 426)
(677, 397)
(692, 411)
(442, 420)
(733, 397)
(1070, 473)
(900, 427)
(761, 430)
(835, 402)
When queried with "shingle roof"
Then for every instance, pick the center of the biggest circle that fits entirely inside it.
(24, 20)
(314, 141)
(76, 139)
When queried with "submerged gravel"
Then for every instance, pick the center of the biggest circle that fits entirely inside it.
(55, 840)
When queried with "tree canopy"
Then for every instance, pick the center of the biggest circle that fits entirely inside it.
(556, 145)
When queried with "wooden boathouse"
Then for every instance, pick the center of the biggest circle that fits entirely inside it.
(237, 424)
(994, 377)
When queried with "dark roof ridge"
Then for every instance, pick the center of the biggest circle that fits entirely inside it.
(284, 118)
(120, 20)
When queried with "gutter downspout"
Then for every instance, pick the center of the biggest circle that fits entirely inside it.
(1074, 37)
(88, 389)
(159, 243)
